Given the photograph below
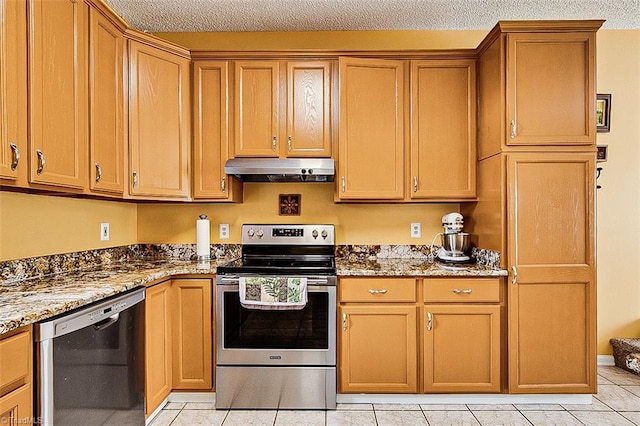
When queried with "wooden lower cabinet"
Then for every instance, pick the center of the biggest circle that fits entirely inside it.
(157, 339)
(378, 349)
(16, 396)
(462, 348)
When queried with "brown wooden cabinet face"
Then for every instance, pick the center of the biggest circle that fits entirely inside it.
(159, 122)
(378, 349)
(371, 140)
(462, 348)
(551, 242)
(58, 95)
(157, 345)
(15, 407)
(106, 125)
(551, 89)
(443, 142)
(13, 92)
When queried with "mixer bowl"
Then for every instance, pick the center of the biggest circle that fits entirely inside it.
(455, 244)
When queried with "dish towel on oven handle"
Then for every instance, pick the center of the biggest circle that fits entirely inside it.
(273, 293)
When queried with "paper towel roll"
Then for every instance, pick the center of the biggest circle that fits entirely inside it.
(203, 238)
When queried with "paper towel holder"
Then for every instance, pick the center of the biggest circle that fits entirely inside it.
(203, 258)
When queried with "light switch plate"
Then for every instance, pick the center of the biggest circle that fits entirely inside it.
(416, 230)
(223, 230)
(104, 231)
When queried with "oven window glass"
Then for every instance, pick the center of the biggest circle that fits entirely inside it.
(307, 328)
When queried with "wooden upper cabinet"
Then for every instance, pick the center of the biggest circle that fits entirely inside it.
(106, 100)
(443, 130)
(552, 301)
(211, 132)
(159, 122)
(550, 89)
(308, 109)
(257, 96)
(13, 92)
(57, 93)
(371, 134)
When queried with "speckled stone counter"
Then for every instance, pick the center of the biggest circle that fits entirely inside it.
(413, 267)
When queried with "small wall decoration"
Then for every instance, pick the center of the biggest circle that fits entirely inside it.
(601, 155)
(289, 205)
(603, 112)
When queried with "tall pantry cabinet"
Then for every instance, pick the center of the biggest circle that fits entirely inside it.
(535, 184)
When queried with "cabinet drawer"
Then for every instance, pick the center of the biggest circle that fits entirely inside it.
(377, 290)
(14, 356)
(462, 290)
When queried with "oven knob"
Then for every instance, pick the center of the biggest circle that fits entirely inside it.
(250, 232)
(324, 234)
(260, 233)
(314, 234)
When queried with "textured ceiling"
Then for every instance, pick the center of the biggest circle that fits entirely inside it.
(335, 15)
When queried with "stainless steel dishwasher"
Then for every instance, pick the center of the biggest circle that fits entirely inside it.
(89, 364)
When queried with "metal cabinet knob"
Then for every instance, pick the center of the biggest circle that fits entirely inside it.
(135, 179)
(289, 144)
(223, 184)
(415, 184)
(513, 129)
(429, 321)
(41, 162)
(344, 322)
(514, 279)
(98, 172)
(274, 143)
(16, 155)
(343, 183)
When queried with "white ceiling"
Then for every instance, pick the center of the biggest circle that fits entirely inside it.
(335, 15)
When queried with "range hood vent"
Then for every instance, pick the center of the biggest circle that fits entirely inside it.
(281, 169)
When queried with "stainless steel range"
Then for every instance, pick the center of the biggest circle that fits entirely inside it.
(277, 348)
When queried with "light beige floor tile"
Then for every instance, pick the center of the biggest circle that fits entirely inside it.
(250, 417)
(301, 417)
(444, 407)
(356, 407)
(350, 418)
(496, 418)
(174, 406)
(551, 418)
(491, 407)
(600, 418)
(618, 398)
(451, 418)
(595, 405)
(200, 417)
(164, 418)
(539, 407)
(634, 416)
(396, 407)
(200, 406)
(619, 376)
(633, 389)
(400, 418)
(604, 381)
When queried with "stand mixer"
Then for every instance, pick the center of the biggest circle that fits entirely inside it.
(454, 242)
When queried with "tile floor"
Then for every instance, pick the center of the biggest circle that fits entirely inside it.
(616, 403)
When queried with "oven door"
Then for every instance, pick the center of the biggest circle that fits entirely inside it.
(276, 337)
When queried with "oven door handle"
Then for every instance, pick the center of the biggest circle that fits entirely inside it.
(236, 280)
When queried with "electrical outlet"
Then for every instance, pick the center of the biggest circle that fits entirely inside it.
(223, 230)
(416, 230)
(104, 231)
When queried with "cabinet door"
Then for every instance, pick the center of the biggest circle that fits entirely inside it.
(106, 128)
(552, 295)
(309, 109)
(371, 145)
(462, 348)
(159, 122)
(551, 89)
(378, 349)
(443, 142)
(257, 97)
(13, 91)
(211, 132)
(15, 407)
(192, 331)
(57, 93)
(157, 337)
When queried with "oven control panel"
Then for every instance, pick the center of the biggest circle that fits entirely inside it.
(288, 234)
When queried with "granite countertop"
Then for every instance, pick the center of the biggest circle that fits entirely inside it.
(28, 301)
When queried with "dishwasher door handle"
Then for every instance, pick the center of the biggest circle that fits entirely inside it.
(107, 322)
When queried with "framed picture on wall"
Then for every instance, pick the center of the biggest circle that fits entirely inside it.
(603, 112)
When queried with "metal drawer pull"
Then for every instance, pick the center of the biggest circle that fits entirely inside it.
(223, 184)
(289, 144)
(274, 143)
(383, 291)
(98, 172)
(135, 179)
(514, 280)
(16, 155)
(344, 183)
(429, 321)
(513, 129)
(41, 162)
(415, 184)
(465, 291)
(344, 322)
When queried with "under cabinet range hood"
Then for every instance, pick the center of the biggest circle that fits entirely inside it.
(281, 169)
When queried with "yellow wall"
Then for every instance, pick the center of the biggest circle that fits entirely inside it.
(618, 202)
(39, 225)
(355, 223)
